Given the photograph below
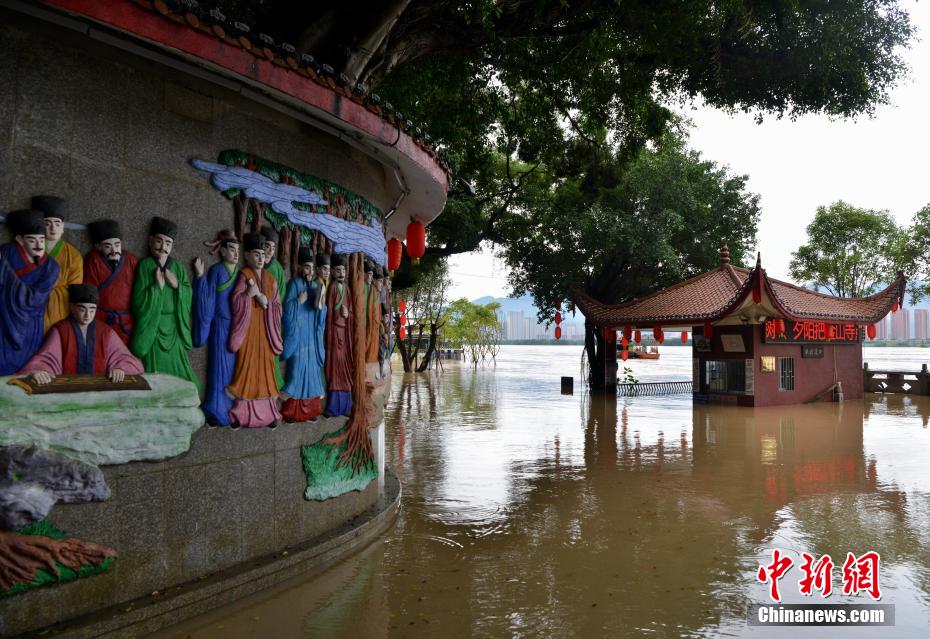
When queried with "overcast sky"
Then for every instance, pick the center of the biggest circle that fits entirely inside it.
(879, 163)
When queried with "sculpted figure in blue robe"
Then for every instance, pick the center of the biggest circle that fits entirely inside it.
(212, 320)
(304, 339)
(27, 277)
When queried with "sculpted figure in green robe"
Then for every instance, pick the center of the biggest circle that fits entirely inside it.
(161, 306)
(274, 266)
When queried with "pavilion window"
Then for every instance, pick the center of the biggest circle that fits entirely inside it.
(725, 376)
(786, 373)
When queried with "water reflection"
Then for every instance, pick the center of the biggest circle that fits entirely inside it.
(528, 513)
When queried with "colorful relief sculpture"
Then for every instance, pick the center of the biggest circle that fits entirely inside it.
(70, 263)
(33, 480)
(92, 426)
(212, 322)
(304, 339)
(161, 306)
(32, 559)
(112, 270)
(350, 222)
(272, 265)
(275, 269)
(373, 313)
(323, 269)
(255, 337)
(27, 277)
(81, 346)
(340, 328)
(384, 339)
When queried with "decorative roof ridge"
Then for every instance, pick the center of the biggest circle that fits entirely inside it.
(214, 23)
(731, 271)
(671, 287)
(868, 298)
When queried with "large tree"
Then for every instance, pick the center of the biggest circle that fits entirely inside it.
(850, 251)
(507, 83)
(663, 219)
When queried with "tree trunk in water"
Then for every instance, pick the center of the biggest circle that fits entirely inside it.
(402, 345)
(594, 347)
(431, 347)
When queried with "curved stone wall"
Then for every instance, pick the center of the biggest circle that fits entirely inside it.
(236, 496)
(113, 134)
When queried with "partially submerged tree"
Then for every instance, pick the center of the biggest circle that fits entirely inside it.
(474, 328)
(425, 301)
(850, 251)
(663, 220)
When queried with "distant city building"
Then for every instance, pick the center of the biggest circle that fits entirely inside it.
(921, 323)
(901, 324)
(881, 329)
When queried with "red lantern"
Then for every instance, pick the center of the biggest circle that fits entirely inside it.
(403, 332)
(894, 307)
(708, 330)
(395, 252)
(684, 337)
(657, 333)
(558, 332)
(416, 240)
(402, 305)
(871, 331)
(624, 342)
(558, 318)
(637, 337)
(627, 333)
(403, 319)
(624, 354)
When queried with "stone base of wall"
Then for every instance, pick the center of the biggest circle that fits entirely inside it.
(226, 508)
(148, 614)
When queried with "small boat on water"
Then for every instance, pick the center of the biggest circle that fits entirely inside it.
(638, 351)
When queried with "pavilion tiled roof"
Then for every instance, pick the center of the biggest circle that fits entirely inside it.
(715, 294)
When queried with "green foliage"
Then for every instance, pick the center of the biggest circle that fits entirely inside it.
(850, 251)
(326, 477)
(44, 577)
(663, 220)
(474, 328)
(916, 258)
(628, 377)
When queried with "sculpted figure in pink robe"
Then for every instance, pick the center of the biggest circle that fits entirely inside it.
(255, 337)
(79, 345)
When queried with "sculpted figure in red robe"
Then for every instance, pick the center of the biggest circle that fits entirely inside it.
(340, 327)
(112, 270)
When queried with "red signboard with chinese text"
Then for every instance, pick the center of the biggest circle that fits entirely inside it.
(811, 332)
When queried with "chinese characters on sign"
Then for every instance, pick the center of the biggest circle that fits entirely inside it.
(859, 574)
(811, 332)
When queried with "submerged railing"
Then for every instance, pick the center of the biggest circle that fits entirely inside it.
(654, 388)
(883, 381)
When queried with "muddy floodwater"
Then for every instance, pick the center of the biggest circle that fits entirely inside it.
(527, 513)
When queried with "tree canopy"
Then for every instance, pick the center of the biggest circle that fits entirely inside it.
(850, 251)
(663, 220)
(506, 87)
